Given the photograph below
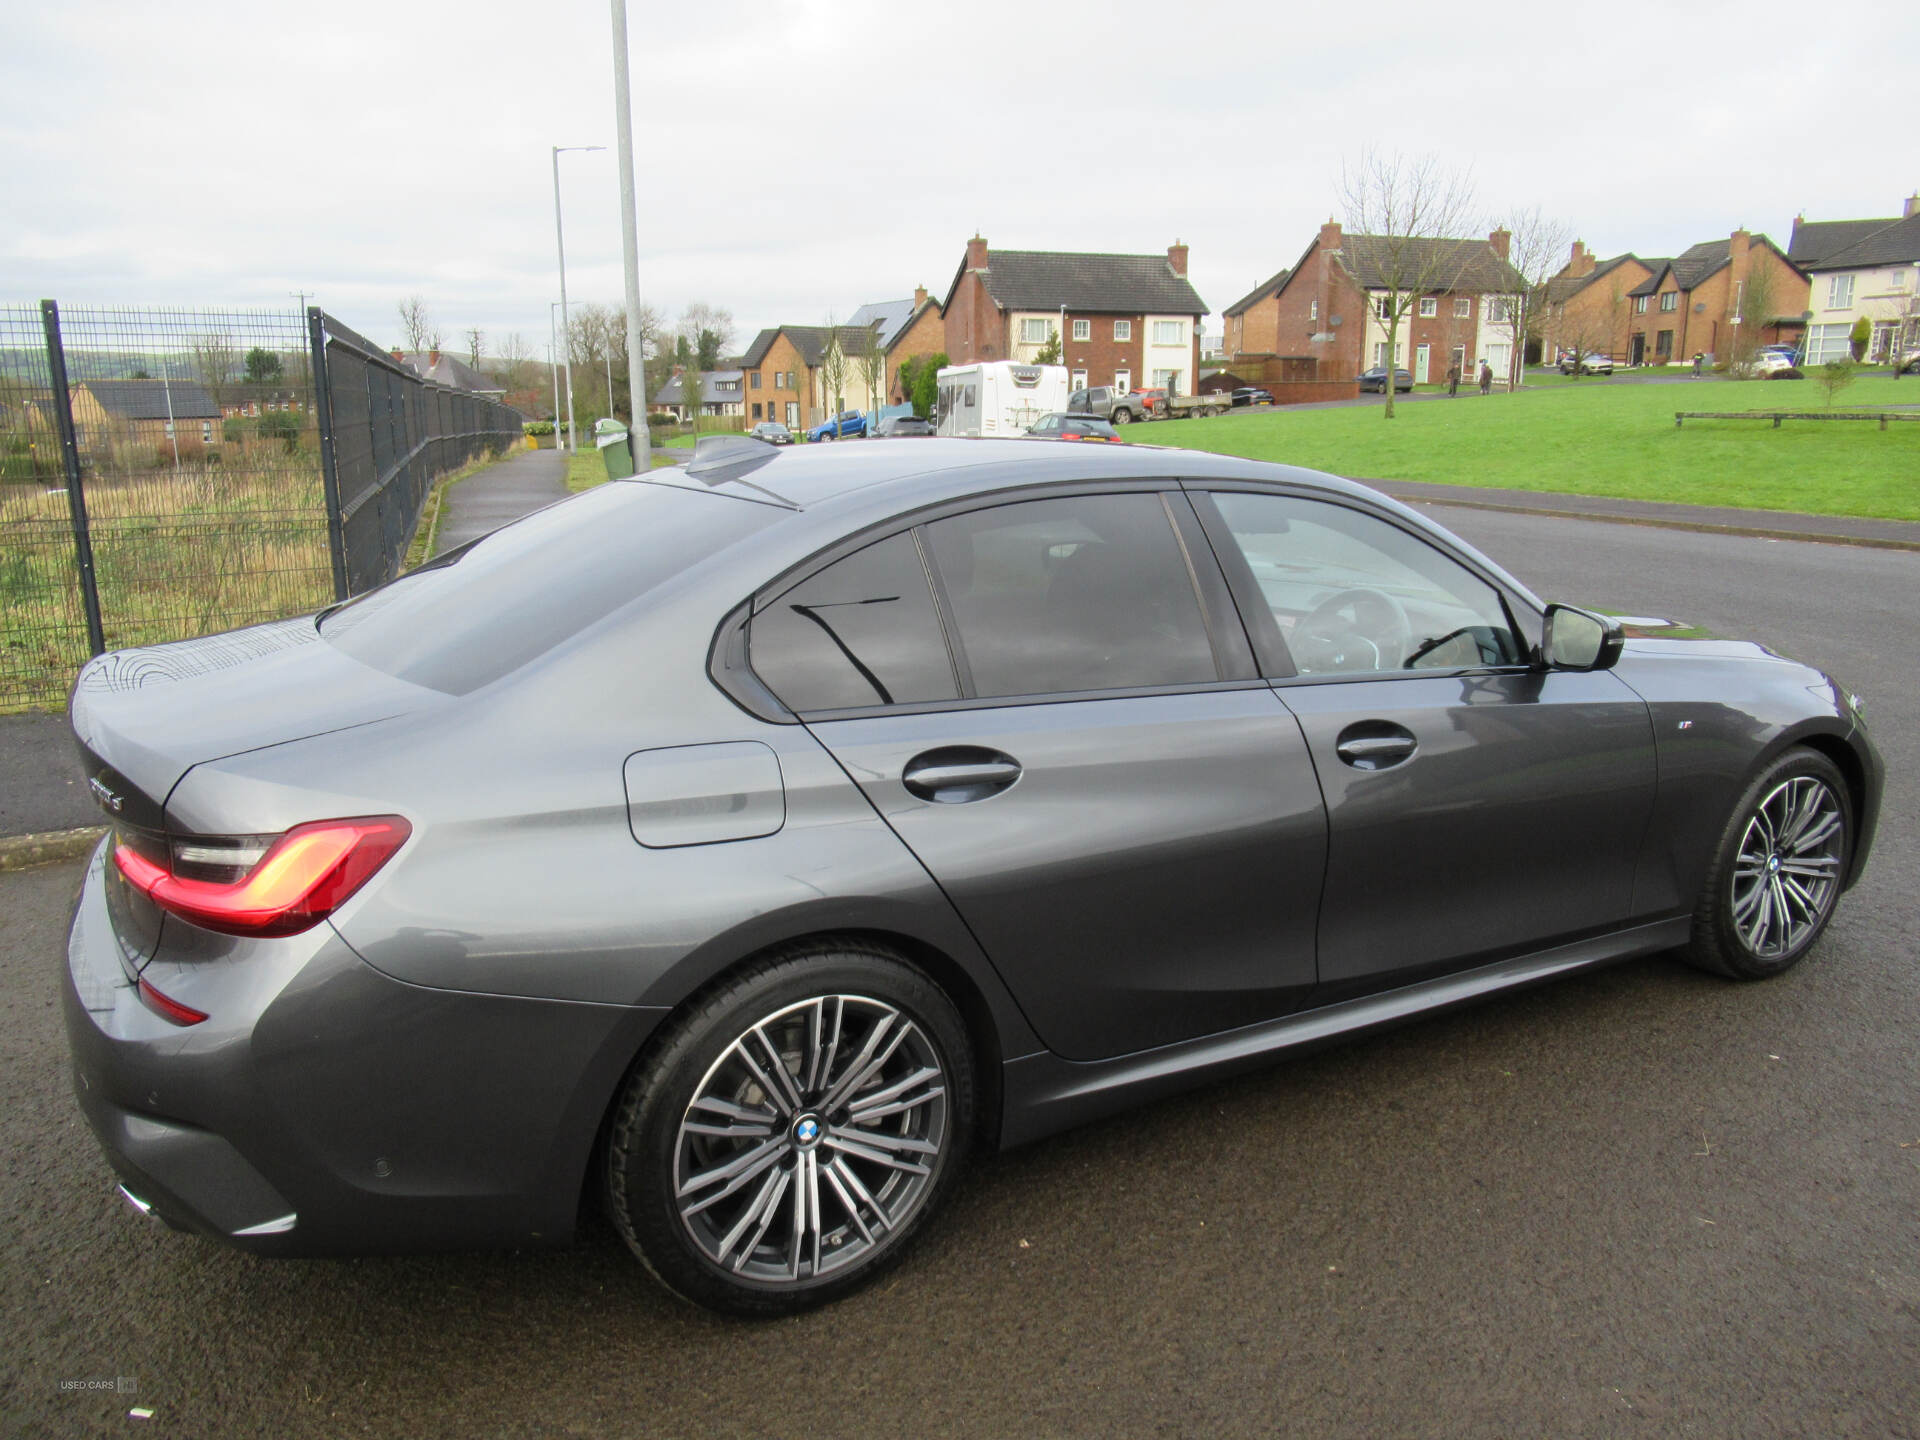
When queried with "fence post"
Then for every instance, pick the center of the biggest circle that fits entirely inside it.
(70, 458)
(329, 474)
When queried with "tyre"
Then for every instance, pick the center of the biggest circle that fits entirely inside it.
(788, 1135)
(1123, 417)
(1778, 871)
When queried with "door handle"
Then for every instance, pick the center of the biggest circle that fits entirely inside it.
(1374, 745)
(959, 774)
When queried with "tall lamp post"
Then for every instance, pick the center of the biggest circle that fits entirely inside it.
(560, 245)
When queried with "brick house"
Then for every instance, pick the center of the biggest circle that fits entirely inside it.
(782, 380)
(1861, 269)
(166, 414)
(1587, 306)
(714, 392)
(924, 333)
(1692, 304)
(1131, 320)
(1252, 323)
(1328, 307)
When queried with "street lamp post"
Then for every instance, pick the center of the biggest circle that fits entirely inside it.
(560, 245)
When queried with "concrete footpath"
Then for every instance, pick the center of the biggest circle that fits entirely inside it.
(45, 809)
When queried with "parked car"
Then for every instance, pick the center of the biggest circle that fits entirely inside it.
(1771, 365)
(773, 432)
(1252, 395)
(847, 425)
(744, 844)
(1376, 379)
(1592, 363)
(1121, 407)
(1910, 362)
(900, 425)
(1153, 398)
(1073, 427)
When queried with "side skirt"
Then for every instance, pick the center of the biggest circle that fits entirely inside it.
(1045, 1093)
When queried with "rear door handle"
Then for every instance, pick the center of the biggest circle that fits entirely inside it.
(1374, 745)
(958, 774)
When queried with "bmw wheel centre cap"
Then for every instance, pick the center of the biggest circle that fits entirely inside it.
(807, 1131)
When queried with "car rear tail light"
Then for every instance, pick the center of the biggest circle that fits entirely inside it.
(168, 1008)
(266, 885)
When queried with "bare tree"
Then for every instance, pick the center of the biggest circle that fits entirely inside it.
(514, 367)
(476, 341)
(417, 327)
(872, 363)
(1534, 246)
(214, 358)
(708, 330)
(1406, 208)
(833, 373)
(1753, 309)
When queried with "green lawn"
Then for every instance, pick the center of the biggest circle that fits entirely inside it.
(1604, 438)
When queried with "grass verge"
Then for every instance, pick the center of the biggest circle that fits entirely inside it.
(1599, 438)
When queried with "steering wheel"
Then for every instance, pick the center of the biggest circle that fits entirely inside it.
(1356, 629)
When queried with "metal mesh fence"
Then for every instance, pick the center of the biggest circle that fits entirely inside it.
(392, 436)
(217, 486)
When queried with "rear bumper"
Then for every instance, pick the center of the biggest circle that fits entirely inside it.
(324, 1108)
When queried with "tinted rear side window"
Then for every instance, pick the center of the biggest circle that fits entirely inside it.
(488, 608)
(1085, 593)
(863, 631)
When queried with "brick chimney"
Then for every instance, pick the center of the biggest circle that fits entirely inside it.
(1177, 257)
(399, 355)
(976, 254)
(1912, 207)
(1501, 240)
(919, 297)
(1580, 263)
(1737, 246)
(1330, 235)
(433, 358)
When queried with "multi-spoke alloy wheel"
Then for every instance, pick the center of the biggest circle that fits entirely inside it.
(1787, 869)
(1779, 871)
(810, 1139)
(792, 1131)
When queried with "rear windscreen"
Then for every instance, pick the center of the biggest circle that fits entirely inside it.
(486, 609)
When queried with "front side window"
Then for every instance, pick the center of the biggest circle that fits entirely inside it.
(1670, 301)
(1169, 332)
(1123, 330)
(863, 631)
(756, 379)
(1313, 310)
(1083, 329)
(1034, 332)
(1351, 593)
(1639, 304)
(1085, 593)
(1429, 307)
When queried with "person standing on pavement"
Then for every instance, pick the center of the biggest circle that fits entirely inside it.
(1698, 361)
(1486, 378)
(1453, 379)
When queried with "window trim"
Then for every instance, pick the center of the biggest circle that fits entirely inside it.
(1235, 664)
(1123, 331)
(1082, 331)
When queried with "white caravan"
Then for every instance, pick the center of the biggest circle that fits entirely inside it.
(998, 397)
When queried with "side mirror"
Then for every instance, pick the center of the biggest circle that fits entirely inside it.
(1575, 639)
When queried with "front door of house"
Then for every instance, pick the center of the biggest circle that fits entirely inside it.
(1637, 351)
(1421, 354)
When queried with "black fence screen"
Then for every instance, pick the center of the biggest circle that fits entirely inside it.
(171, 473)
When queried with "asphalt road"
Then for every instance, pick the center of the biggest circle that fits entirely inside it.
(1640, 1202)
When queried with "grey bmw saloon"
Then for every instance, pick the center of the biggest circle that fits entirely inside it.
(742, 846)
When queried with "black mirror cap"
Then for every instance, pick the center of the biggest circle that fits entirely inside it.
(1575, 639)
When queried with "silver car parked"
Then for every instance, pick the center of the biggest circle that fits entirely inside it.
(746, 843)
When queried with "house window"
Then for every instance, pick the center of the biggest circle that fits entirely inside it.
(756, 409)
(1499, 310)
(1828, 342)
(206, 432)
(1168, 380)
(1670, 301)
(756, 379)
(1639, 304)
(1429, 307)
(1123, 330)
(1034, 332)
(1313, 310)
(1840, 292)
(1379, 352)
(1897, 280)
(1169, 332)
(1123, 381)
(1463, 308)
(1083, 330)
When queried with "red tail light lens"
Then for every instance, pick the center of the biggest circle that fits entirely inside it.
(169, 1008)
(304, 876)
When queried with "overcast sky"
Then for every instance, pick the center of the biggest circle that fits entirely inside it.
(800, 157)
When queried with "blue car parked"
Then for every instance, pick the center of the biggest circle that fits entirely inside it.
(846, 425)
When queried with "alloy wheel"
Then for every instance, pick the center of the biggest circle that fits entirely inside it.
(1786, 872)
(812, 1141)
